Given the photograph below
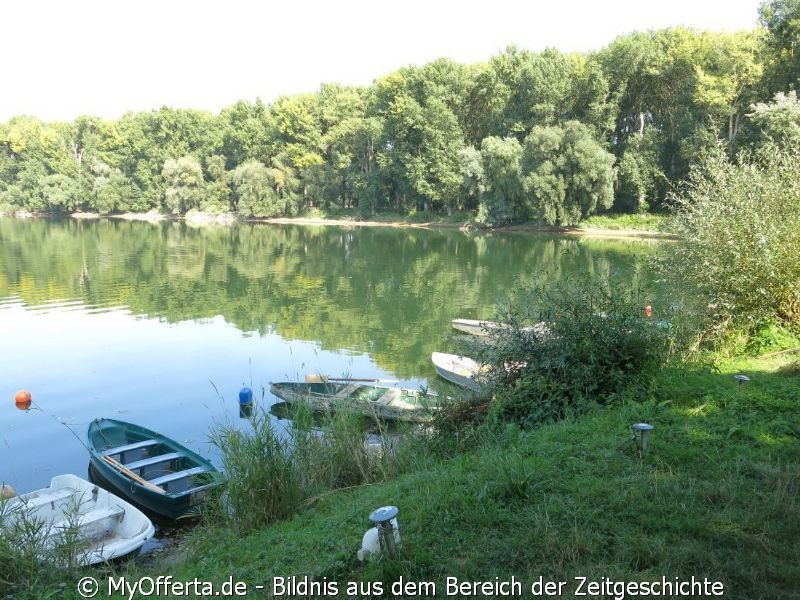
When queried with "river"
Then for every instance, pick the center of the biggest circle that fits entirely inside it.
(162, 323)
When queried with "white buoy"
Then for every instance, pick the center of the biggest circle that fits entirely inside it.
(7, 491)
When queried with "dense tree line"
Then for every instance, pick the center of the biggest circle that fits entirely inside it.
(526, 136)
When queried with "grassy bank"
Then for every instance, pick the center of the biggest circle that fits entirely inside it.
(637, 222)
(716, 496)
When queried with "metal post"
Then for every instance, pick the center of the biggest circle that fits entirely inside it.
(644, 430)
(382, 519)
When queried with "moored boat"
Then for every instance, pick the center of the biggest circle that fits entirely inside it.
(149, 469)
(460, 370)
(75, 519)
(390, 403)
(489, 328)
(476, 326)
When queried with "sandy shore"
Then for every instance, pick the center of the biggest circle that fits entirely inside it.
(201, 219)
(525, 228)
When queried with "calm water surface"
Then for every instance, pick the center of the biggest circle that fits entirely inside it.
(162, 324)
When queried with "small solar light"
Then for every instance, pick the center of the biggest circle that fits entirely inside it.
(644, 430)
(741, 380)
(382, 519)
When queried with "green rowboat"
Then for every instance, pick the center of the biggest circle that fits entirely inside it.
(392, 403)
(148, 469)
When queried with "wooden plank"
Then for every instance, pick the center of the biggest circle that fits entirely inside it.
(138, 478)
(319, 378)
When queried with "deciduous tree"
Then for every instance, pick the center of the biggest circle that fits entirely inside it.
(568, 174)
(185, 184)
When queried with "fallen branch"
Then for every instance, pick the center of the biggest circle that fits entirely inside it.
(777, 352)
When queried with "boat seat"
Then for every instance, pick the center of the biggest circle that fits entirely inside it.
(177, 475)
(347, 390)
(389, 396)
(152, 460)
(195, 490)
(127, 448)
(48, 497)
(93, 516)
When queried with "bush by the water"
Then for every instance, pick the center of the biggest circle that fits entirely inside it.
(739, 248)
(569, 345)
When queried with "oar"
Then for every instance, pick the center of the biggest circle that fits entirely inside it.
(315, 378)
(366, 380)
(123, 469)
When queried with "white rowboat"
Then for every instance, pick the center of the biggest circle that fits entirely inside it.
(460, 370)
(85, 519)
(489, 328)
(477, 327)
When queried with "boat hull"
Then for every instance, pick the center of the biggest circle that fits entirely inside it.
(476, 327)
(491, 328)
(460, 370)
(393, 404)
(100, 526)
(148, 469)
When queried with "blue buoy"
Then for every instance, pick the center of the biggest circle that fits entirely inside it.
(245, 402)
(245, 396)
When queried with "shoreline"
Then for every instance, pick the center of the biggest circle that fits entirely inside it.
(206, 219)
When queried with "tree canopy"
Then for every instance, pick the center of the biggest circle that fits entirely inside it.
(545, 136)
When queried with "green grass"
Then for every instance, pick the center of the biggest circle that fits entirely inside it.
(716, 496)
(640, 222)
(458, 218)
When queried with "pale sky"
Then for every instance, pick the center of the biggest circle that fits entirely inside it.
(62, 59)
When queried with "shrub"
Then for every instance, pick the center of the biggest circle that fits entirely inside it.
(770, 336)
(590, 343)
(739, 248)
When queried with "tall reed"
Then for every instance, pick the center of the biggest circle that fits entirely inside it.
(35, 555)
(273, 471)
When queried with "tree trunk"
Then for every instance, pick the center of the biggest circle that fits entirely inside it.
(77, 154)
(733, 127)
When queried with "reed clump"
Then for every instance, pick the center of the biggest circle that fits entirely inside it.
(34, 555)
(274, 470)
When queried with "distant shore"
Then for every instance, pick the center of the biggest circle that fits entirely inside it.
(208, 219)
(521, 228)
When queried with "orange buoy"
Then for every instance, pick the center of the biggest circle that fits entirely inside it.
(648, 311)
(23, 399)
